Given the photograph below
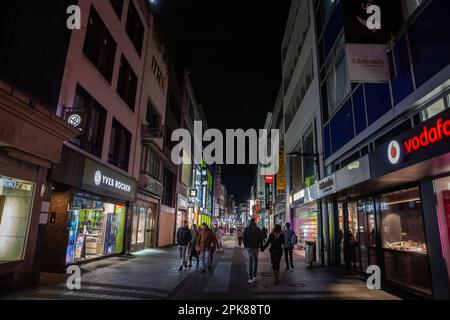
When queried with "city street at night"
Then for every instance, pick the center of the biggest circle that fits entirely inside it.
(153, 275)
(215, 159)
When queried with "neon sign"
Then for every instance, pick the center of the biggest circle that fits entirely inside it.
(438, 132)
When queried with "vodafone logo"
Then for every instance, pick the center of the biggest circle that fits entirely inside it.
(394, 152)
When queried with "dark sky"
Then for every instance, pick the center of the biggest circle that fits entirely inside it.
(232, 49)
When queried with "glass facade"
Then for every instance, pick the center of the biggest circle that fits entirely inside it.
(96, 228)
(16, 198)
(442, 190)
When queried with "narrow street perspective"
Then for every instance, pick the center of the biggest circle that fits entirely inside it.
(153, 274)
(191, 153)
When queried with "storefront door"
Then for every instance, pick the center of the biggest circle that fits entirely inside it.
(150, 232)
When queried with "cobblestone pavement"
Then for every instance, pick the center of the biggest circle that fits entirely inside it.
(153, 275)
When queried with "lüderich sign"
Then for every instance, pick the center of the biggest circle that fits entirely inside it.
(367, 62)
(427, 141)
(102, 180)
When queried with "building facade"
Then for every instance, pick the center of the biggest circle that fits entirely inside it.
(384, 100)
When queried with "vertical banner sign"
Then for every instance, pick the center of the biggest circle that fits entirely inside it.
(281, 179)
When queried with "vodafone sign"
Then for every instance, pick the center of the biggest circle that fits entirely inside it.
(394, 152)
(427, 141)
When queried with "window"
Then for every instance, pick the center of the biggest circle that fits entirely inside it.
(118, 7)
(327, 9)
(158, 73)
(151, 163)
(337, 79)
(169, 192)
(412, 5)
(403, 240)
(434, 109)
(308, 148)
(119, 146)
(99, 46)
(135, 28)
(127, 84)
(16, 197)
(92, 131)
(153, 118)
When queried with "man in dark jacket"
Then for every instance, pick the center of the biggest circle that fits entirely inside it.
(253, 242)
(184, 237)
(290, 240)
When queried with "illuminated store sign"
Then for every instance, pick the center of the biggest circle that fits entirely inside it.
(15, 185)
(104, 181)
(427, 141)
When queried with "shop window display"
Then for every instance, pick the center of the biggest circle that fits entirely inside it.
(403, 238)
(96, 228)
(305, 223)
(16, 197)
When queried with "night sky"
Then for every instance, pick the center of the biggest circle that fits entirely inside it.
(233, 53)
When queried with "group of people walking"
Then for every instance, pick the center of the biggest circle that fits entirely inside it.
(279, 241)
(200, 243)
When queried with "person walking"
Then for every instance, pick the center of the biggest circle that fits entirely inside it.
(193, 246)
(240, 235)
(220, 234)
(253, 241)
(290, 240)
(214, 246)
(275, 241)
(205, 242)
(264, 234)
(183, 239)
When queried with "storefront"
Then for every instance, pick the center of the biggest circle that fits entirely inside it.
(89, 212)
(396, 215)
(305, 223)
(145, 213)
(182, 210)
(31, 139)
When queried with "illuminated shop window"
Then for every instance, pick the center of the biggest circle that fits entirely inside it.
(16, 197)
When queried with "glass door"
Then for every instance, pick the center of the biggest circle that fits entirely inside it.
(352, 237)
(340, 233)
(363, 237)
(371, 232)
(150, 233)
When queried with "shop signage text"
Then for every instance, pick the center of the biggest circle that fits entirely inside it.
(367, 62)
(12, 184)
(427, 141)
(327, 184)
(104, 181)
(438, 132)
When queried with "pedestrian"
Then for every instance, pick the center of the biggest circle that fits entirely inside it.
(290, 240)
(183, 239)
(220, 234)
(205, 242)
(264, 233)
(215, 245)
(193, 246)
(253, 242)
(275, 241)
(240, 235)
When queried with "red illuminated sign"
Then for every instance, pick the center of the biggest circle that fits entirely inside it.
(269, 179)
(438, 132)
